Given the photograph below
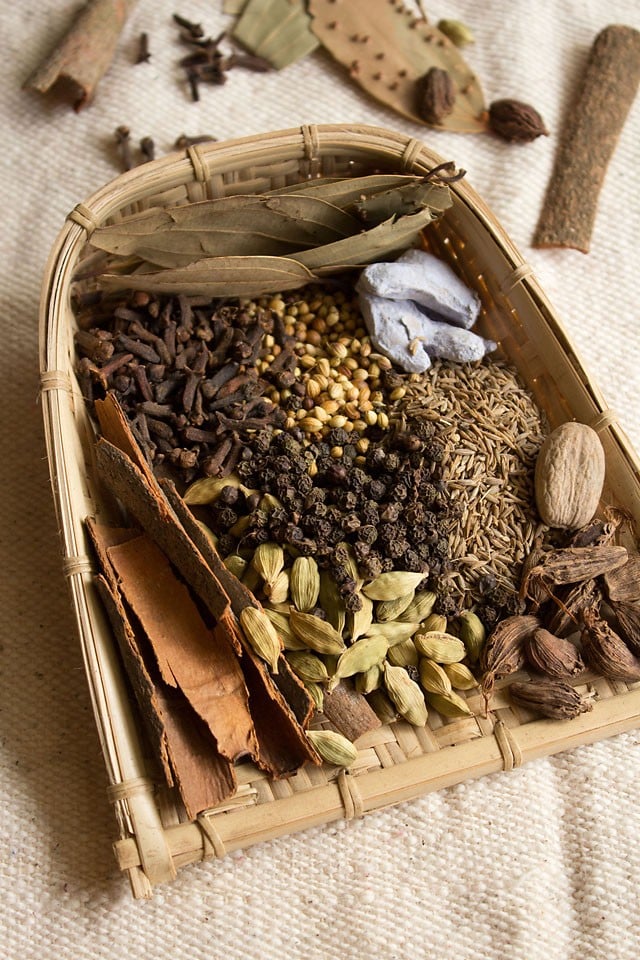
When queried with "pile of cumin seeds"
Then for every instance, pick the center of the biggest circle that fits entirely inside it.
(492, 429)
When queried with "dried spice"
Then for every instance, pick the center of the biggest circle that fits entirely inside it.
(605, 651)
(450, 705)
(250, 245)
(406, 695)
(386, 49)
(553, 656)
(348, 711)
(504, 650)
(333, 747)
(516, 121)
(574, 565)
(589, 137)
(623, 584)
(569, 476)
(627, 615)
(554, 699)
(435, 96)
(457, 31)
(86, 51)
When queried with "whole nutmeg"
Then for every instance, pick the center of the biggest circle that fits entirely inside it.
(569, 476)
(436, 95)
(516, 121)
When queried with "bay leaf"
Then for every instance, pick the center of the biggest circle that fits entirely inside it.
(219, 277)
(403, 200)
(278, 30)
(345, 191)
(386, 50)
(229, 226)
(391, 236)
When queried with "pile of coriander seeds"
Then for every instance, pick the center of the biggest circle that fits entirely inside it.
(291, 437)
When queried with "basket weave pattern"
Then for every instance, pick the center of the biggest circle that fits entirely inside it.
(397, 761)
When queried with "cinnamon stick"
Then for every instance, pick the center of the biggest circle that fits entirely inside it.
(199, 661)
(292, 689)
(349, 712)
(85, 53)
(591, 132)
(282, 743)
(185, 748)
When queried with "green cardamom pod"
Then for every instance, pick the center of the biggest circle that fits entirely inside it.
(268, 560)
(333, 747)
(208, 489)
(458, 32)
(261, 635)
(450, 705)
(460, 676)
(278, 589)
(332, 603)
(317, 634)
(419, 608)
(441, 647)
(435, 622)
(406, 695)
(403, 654)
(304, 583)
(316, 692)
(472, 633)
(382, 705)
(370, 680)
(281, 623)
(362, 619)
(307, 666)
(390, 586)
(392, 609)
(235, 564)
(433, 677)
(362, 654)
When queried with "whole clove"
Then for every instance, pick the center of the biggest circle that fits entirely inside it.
(143, 55)
(147, 148)
(123, 144)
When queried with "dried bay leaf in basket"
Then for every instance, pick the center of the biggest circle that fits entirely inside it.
(403, 201)
(344, 191)
(387, 50)
(219, 277)
(384, 240)
(228, 226)
(278, 30)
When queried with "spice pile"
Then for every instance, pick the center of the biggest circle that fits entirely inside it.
(339, 473)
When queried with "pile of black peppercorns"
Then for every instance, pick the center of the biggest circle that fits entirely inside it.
(393, 510)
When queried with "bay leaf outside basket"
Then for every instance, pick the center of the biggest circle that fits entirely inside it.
(396, 762)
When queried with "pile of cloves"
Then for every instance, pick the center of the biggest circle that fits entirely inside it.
(206, 62)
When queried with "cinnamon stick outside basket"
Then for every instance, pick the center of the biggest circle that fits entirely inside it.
(588, 139)
(85, 53)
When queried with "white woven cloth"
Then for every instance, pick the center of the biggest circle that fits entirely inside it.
(542, 863)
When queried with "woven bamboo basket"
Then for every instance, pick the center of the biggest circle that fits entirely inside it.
(396, 762)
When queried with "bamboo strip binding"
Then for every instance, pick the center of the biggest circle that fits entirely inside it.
(396, 763)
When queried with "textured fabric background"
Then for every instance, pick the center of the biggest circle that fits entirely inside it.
(539, 864)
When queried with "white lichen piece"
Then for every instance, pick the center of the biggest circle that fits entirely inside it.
(404, 333)
(394, 326)
(425, 279)
(444, 340)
